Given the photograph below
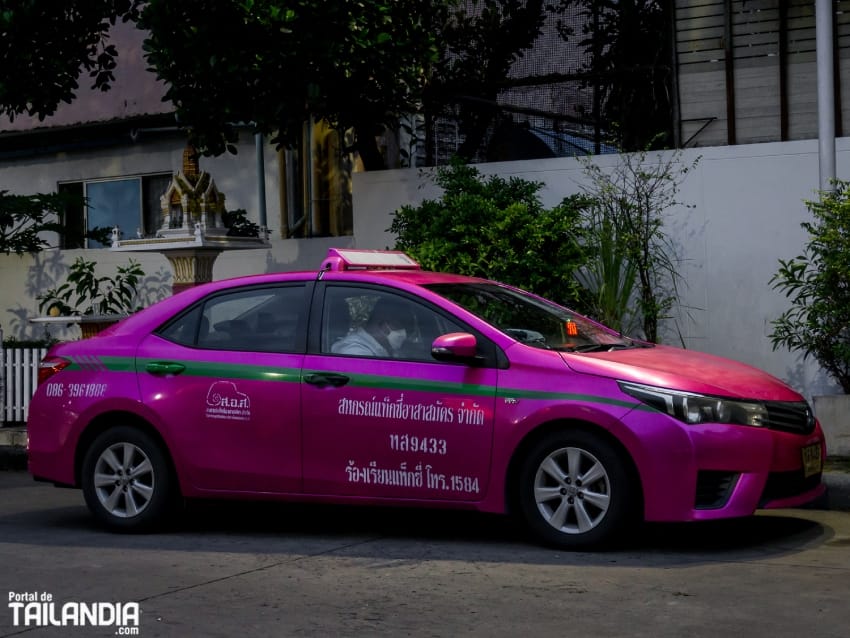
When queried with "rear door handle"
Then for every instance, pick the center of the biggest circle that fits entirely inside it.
(322, 379)
(164, 367)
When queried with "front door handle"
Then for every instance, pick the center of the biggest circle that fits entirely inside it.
(322, 379)
(164, 367)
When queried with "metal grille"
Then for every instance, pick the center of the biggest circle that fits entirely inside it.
(789, 417)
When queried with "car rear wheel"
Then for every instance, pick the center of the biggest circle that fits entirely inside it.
(126, 479)
(575, 491)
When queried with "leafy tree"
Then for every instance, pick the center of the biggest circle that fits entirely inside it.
(498, 229)
(478, 42)
(356, 63)
(269, 64)
(818, 286)
(25, 218)
(629, 61)
(359, 64)
(46, 45)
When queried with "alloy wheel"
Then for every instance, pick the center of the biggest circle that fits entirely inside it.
(572, 490)
(124, 480)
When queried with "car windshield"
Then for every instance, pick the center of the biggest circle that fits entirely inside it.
(532, 320)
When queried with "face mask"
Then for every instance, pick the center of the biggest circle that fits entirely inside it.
(396, 338)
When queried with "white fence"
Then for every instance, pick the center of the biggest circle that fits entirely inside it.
(18, 380)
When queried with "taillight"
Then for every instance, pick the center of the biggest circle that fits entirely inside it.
(50, 366)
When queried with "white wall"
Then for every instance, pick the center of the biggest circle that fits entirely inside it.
(747, 208)
(23, 278)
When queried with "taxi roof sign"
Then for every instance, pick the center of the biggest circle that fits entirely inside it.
(358, 259)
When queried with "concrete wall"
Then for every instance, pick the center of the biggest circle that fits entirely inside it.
(748, 203)
(23, 278)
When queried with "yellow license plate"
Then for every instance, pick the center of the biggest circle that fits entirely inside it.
(812, 463)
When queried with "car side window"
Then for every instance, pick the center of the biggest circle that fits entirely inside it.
(364, 322)
(256, 320)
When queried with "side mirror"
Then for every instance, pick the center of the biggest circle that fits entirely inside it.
(455, 346)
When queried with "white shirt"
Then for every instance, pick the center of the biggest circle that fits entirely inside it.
(359, 344)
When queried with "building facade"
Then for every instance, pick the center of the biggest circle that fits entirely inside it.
(746, 108)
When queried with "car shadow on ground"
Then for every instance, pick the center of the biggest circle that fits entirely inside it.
(760, 533)
(59, 518)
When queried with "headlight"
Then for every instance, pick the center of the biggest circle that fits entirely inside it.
(698, 408)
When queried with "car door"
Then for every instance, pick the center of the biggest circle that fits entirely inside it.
(394, 424)
(224, 379)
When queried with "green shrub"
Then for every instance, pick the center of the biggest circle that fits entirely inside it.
(238, 225)
(496, 229)
(632, 275)
(86, 293)
(818, 285)
(610, 278)
(24, 220)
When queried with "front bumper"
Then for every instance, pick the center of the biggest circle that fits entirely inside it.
(716, 471)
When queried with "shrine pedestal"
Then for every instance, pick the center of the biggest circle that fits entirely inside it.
(191, 256)
(191, 267)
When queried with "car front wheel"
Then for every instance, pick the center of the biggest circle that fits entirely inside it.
(126, 479)
(575, 491)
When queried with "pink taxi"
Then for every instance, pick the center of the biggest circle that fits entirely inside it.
(371, 381)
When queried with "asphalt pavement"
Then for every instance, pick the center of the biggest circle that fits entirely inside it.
(836, 474)
(250, 569)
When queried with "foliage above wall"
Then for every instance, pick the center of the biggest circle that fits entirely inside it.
(25, 218)
(633, 274)
(817, 283)
(498, 229)
(605, 252)
(356, 63)
(238, 224)
(359, 65)
(86, 293)
(46, 46)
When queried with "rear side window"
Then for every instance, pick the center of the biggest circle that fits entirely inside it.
(256, 320)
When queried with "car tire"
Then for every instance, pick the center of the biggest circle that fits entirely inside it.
(575, 491)
(127, 480)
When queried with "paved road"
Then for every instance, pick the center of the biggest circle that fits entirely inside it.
(282, 570)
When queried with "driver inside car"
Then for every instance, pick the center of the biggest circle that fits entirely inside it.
(383, 335)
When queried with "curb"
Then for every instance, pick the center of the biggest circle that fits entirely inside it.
(13, 436)
(13, 448)
(13, 458)
(836, 476)
(838, 491)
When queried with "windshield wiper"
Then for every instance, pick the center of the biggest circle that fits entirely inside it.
(601, 347)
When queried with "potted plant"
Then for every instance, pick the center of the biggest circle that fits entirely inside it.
(818, 323)
(93, 301)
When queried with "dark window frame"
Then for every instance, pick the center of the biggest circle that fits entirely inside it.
(76, 218)
(299, 338)
(491, 356)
